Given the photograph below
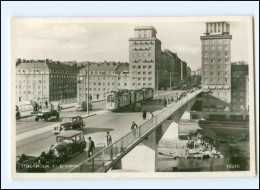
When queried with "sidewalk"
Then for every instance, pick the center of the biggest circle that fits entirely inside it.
(64, 106)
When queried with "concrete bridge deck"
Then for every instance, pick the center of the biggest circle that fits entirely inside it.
(138, 144)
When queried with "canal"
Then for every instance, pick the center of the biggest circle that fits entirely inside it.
(230, 139)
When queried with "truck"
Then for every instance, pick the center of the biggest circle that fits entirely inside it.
(46, 114)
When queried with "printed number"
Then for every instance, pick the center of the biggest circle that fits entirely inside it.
(232, 166)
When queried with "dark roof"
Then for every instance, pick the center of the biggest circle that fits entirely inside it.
(39, 64)
(69, 133)
(108, 66)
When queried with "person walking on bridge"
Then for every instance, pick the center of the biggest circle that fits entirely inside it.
(109, 142)
(165, 102)
(90, 147)
(108, 139)
(134, 127)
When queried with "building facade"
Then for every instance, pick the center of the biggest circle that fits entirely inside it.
(103, 78)
(144, 58)
(216, 60)
(239, 88)
(41, 80)
(149, 66)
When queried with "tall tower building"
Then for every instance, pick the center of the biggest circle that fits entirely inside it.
(216, 60)
(144, 58)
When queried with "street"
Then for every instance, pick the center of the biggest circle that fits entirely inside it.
(118, 123)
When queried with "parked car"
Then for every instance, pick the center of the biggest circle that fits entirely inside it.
(82, 106)
(70, 123)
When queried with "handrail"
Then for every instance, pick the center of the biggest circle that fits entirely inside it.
(134, 132)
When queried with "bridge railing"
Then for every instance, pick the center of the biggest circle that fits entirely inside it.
(108, 154)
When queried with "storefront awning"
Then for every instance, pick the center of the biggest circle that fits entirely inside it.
(219, 87)
(212, 86)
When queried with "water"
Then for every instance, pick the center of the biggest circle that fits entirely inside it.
(233, 144)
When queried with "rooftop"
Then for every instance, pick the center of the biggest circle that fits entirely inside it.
(69, 133)
(145, 28)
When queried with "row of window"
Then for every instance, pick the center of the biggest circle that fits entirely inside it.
(212, 73)
(206, 61)
(46, 71)
(144, 67)
(144, 78)
(141, 54)
(215, 41)
(34, 76)
(206, 67)
(139, 73)
(238, 93)
(144, 61)
(216, 48)
(142, 43)
(214, 54)
(211, 80)
(142, 84)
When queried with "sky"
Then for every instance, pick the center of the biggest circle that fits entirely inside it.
(99, 40)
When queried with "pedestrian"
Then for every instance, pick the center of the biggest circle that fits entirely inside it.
(165, 102)
(133, 128)
(90, 147)
(160, 100)
(144, 114)
(90, 97)
(40, 106)
(151, 114)
(108, 139)
(109, 142)
(97, 96)
(52, 107)
(16, 108)
(36, 106)
(46, 104)
(172, 98)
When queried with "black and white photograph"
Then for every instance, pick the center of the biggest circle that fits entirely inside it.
(132, 96)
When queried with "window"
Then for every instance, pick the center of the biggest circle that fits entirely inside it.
(226, 54)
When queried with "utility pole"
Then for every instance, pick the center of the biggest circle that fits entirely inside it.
(157, 81)
(170, 80)
(88, 88)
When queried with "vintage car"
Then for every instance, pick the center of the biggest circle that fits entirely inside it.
(67, 145)
(70, 142)
(70, 123)
(82, 106)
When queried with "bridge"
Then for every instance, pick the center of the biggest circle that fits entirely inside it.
(137, 150)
